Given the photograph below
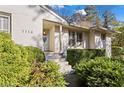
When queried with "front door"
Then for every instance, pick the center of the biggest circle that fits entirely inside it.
(46, 40)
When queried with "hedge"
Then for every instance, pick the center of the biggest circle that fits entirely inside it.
(101, 72)
(76, 55)
(116, 50)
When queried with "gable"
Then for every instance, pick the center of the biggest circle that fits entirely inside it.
(52, 16)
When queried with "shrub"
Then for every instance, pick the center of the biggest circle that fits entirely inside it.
(14, 69)
(46, 75)
(101, 72)
(35, 54)
(76, 55)
(117, 52)
(14, 62)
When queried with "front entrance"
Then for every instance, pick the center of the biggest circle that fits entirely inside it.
(46, 40)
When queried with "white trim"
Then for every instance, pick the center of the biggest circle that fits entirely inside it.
(53, 13)
(8, 18)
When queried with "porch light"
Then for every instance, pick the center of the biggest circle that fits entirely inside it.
(44, 33)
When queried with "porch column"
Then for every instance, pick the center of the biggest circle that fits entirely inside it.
(75, 39)
(52, 39)
(61, 45)
(84, 40)
(82, 43)
(108, 46)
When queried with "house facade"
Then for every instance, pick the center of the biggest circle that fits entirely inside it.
(40, 27)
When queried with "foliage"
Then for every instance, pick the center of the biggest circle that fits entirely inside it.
(35, 54)
(118, 52)
(91, 13)
(118, 38)
(14, 67)
(76, 55)
(101, 72)
(109, 19)
(46, 75)
(24, 66)
(92, 16)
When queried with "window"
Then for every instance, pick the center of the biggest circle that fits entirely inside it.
(79, 39)
(4, 23)
(71, 38)
(103, 36)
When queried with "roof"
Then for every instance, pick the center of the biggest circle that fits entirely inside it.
(46, 7)
(100, 28)
(70, 25)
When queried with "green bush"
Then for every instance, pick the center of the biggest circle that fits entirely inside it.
(101, 72)
(24, 66)
(46, 75)
(35, 54)
(76, 55)
(117, 52)
(14, 69)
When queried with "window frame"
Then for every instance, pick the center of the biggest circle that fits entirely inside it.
(103, 36)
(72, 39)
(8, 16)
(78, 36)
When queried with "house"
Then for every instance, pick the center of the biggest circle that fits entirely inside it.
(39, 26)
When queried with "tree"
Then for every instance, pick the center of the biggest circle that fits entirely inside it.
(76, 18)
(109, 19)
(92, 14)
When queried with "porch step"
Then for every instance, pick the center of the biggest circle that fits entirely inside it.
(65, 68)
(52, 56)
(64, 65)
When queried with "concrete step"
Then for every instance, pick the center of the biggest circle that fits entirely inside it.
(52, 56)
(64, 65)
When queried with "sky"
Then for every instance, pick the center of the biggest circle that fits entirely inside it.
(118, 10)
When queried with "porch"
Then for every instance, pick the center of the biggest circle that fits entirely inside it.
(58, 37)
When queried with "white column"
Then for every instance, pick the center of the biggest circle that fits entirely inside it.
(42, 43)
(82, 40)
(108, 46)
(76, 39)
(52, 39)
(61, 45)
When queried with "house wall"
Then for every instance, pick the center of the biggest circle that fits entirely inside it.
(65, 40)
(91, 40)
(85, 40)
(27, 23)
(98, 40)
(57, 39)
